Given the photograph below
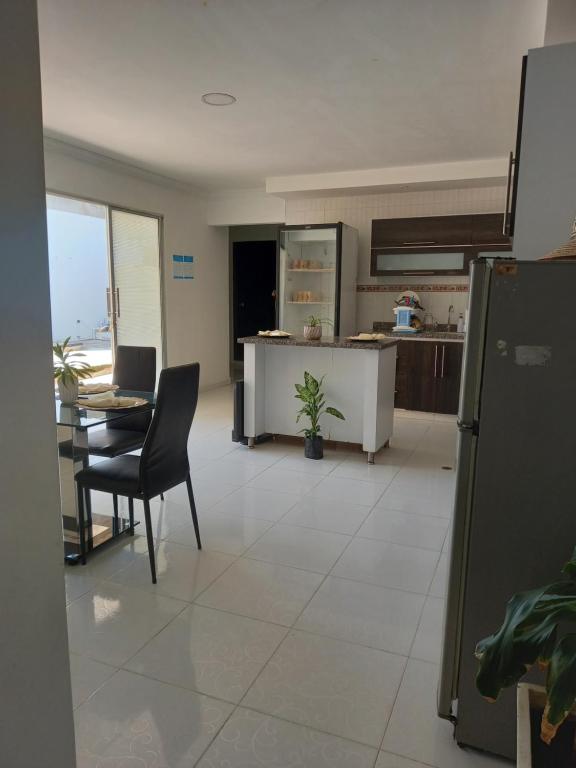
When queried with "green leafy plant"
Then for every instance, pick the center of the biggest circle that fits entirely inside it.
(68, 365)
(312, 321)
(529, 635)
(314, 404)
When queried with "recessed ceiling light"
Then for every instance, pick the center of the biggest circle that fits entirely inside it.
(218, 99)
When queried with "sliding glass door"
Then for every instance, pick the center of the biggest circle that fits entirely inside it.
(79, 278)
(105, 279)
(135, 291)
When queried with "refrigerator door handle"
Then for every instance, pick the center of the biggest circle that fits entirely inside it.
(435, 360)
(451, 650)
(443, 356)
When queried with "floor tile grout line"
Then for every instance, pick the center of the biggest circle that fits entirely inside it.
(290, 630)
(107, 663)
(420, 762)
(244, 555)
(213, 739)
(408, 660)
(308, 727)
(397, 543)
(95, 691)
(287, 630)
(215, 549)
(264, 469)
(238, 707)
(293, 625)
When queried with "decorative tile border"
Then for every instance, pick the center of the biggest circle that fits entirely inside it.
(427, 287)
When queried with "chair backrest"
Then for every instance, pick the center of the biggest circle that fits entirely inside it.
(134, 369)
(164, 459)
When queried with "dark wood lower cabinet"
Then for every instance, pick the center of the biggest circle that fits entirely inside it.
(448, 381)
(428, 375)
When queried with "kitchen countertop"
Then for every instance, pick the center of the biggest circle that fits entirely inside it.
(451, 336)
(442, 333)
(337, 342)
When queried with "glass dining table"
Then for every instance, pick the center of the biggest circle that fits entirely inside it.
(73, 425)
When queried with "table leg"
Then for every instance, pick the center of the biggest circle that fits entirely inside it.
(73, 456)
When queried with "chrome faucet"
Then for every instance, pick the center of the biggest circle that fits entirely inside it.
(450, 310)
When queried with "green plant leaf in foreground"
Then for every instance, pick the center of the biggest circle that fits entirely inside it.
(529, 634)
(560, 687)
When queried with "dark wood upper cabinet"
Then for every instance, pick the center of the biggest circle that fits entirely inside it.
(434, 245)
(487, 232)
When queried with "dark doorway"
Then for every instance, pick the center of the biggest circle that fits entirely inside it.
(254, 289)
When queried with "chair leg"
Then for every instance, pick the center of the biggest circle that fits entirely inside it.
(193, 510)
(115, 505)
(150, 539)
(81, 534)
(131, 515)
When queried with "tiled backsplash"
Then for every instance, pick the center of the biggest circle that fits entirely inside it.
(376, 294)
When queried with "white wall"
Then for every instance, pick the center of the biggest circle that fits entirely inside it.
(560, 22)
(359, 210)
(196, 311)
(244, 206)
(546, 203)
(36, 725)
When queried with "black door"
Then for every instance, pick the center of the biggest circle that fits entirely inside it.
(254, 290)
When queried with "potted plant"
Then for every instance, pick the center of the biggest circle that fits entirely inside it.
(314, 406)
(530, 635)
(313, 327)
(68, 369)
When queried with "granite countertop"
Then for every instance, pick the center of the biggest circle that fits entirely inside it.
(440, 334)
(451, 336)
(336, 342)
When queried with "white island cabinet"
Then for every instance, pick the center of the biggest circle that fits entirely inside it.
(359, 381)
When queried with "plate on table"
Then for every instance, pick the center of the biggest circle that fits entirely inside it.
(275, 334)
(96, 389)
(112, 403)
(367, 337)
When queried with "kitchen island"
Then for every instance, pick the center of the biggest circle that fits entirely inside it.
(359, 381)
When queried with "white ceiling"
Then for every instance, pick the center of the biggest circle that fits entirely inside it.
(322, 85)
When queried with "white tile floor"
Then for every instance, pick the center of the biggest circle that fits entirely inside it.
(306, 633)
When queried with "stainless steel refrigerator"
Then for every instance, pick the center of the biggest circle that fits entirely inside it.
(515, 501)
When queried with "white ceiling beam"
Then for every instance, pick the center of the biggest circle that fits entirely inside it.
(478, 173)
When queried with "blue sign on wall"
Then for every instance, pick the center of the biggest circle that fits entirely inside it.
(182, 267)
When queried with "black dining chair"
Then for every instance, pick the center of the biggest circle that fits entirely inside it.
(134, 370)
(163, 463)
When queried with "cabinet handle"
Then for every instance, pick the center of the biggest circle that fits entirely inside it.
(506, 221)
(435, 359)
(419, 242)
(443, 356)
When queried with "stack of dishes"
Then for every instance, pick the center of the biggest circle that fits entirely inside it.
(275, 334)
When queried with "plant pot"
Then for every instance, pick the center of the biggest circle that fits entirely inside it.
(312, 332)
(68, 392)
(531, 751)
(314, 447)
